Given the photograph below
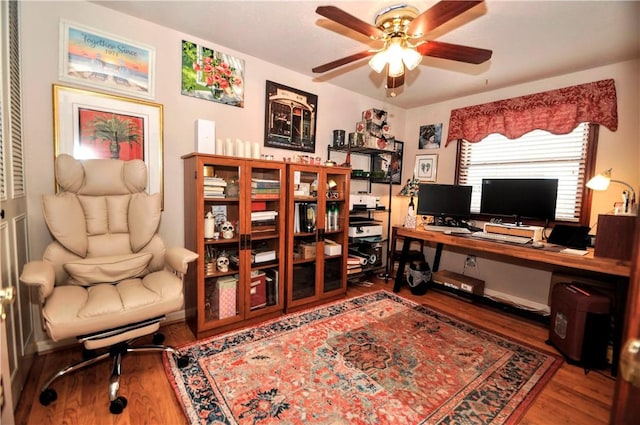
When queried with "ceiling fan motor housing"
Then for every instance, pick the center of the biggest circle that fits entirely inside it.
(394, 21)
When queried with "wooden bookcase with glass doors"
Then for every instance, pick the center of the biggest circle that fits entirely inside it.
(239, 275)
(317, 236)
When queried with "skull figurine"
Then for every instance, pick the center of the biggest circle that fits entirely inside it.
(227, 230)
(223, 263)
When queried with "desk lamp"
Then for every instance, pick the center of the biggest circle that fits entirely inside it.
(410, 189)
(602, 181)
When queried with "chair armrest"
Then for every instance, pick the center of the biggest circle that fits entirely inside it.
(40, 274)
(178, 258)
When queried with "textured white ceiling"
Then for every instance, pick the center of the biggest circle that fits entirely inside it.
(530, 40)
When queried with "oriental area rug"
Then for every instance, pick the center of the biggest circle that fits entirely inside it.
(373, 359)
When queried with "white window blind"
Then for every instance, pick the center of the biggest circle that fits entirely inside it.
(538, 154)
(15, 103)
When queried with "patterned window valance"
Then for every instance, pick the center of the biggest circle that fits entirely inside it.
(556, 111)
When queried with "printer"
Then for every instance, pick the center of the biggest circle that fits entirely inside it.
(361, 201)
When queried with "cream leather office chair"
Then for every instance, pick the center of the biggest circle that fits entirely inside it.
(107, 277)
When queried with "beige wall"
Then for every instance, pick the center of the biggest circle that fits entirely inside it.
(337, 108)
(619, 149)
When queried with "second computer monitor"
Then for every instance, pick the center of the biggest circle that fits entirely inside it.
(444, 201)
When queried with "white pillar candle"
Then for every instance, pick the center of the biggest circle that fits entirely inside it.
(219, 147)
(247, 149)
(256, 150)
(239, 148)
(228, 148)
(209, 226)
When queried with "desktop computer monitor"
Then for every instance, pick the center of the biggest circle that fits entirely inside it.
(444, 201)
(519, 198)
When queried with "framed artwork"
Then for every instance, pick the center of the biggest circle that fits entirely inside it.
(94, 58)
(426, 167)
(290, 118)
(211, 75)
(430, 136)
(388, 166)
(90, 125)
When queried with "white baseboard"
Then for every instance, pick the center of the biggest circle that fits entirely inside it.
(518, 302)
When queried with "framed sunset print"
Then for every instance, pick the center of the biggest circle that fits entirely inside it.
(105, 61)
(92, 125)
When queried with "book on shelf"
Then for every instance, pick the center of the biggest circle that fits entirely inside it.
(354, 270)
(214, 181)
(263, 256)
(265, 195)
(353, 261)
(263, 215)
(265, 183)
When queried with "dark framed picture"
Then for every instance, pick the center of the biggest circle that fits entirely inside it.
(290, 118)
(430, 136)
(388, 165)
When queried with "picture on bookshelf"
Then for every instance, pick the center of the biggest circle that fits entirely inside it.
(389, 163)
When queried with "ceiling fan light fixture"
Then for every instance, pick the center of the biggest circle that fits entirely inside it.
(378, 61)
(411, 57)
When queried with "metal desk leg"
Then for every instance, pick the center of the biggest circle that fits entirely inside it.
(436, 260)
(402, 263)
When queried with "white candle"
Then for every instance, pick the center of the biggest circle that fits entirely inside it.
(239, 148)
(228, 148)
(247, 149)
(219, 147)
(256, 150)
(208, 226)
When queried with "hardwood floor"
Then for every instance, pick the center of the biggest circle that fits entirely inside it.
(571, 397)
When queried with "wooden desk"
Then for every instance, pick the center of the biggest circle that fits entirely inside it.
(548, 258)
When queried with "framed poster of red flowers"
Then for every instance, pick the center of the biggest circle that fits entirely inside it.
(92, 125)
(211, 75)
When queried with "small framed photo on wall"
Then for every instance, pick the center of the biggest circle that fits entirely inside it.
(426, 167)
(430, 136)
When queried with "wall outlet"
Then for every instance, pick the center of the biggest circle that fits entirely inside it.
(470, 261)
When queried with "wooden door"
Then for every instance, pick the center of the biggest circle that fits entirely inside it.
(18, 327)
(626, 409)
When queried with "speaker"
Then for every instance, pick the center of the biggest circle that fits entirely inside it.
(206, 136)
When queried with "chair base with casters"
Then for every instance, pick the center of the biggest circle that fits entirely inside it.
(115, 352)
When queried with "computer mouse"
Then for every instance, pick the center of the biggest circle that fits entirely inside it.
(537, 245)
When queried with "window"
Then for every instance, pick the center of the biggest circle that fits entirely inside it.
(537, 154)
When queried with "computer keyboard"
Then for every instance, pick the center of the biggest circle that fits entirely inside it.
(451, 229)
(501, 238)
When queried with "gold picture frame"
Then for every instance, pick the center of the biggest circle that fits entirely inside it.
(76, 112)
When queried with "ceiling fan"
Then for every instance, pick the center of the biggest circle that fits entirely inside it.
(397, 27)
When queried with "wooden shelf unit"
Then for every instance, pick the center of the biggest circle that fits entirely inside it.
(316, 278)
(213, 302)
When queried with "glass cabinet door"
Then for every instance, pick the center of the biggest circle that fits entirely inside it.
(336, 190)
(265, 224)
(222, 250)
(306, 217)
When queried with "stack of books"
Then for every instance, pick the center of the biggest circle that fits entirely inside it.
(263, 221)
(265, 188)
(214, 187)
(262, 255)
(353, 265)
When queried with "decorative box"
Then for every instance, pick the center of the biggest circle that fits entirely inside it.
(332, 248)
(307, 250)
(226, 291)
(258, 290)
(378, 116)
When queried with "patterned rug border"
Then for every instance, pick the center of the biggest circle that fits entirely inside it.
(290, 321)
